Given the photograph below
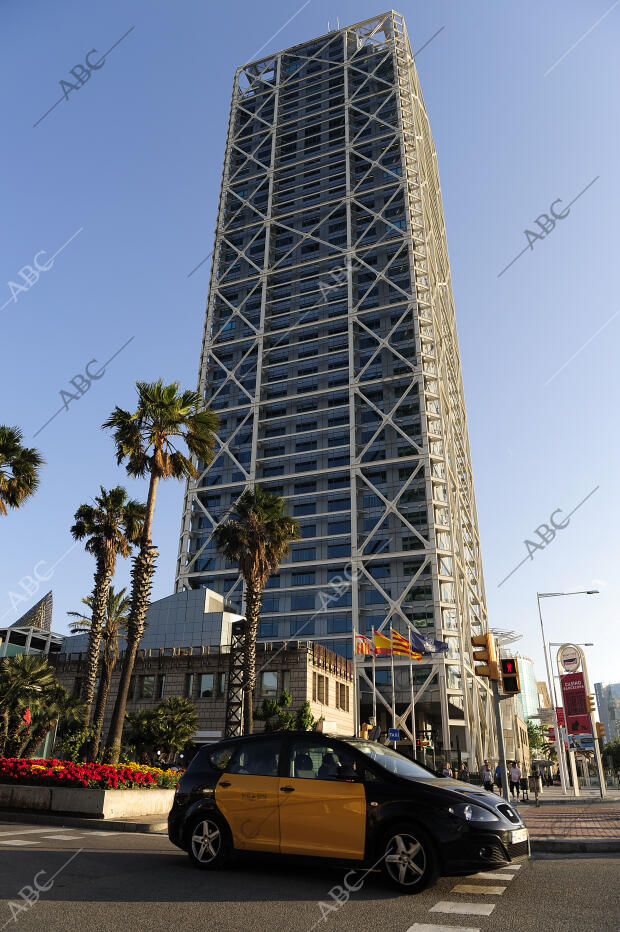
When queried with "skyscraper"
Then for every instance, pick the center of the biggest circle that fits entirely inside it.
(330, 351)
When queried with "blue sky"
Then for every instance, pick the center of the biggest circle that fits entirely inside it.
(125, 175)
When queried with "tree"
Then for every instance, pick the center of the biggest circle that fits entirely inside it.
(110, 527)
(146, 440)
(611, 754)
(115, 627)
(56, 704)
(535, 735)
(274, 713)
(22, 678)
(165, 729)
(257, 537)
(19, 469)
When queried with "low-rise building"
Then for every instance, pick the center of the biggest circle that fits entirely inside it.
(306, 670)
(32, 633)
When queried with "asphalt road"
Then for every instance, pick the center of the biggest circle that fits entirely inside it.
(106, 881)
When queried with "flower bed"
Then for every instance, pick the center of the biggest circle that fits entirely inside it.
(52, 772)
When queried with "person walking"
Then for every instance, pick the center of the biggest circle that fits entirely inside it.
(515, 777)
(536, 784)
(463, 773)
(487, 777)
(498, 779)
(618, 775)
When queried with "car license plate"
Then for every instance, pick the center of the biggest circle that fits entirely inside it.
(519, 835)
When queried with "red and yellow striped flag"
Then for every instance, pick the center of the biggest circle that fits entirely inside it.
(363, 644)
(401, 646)
(383, 645)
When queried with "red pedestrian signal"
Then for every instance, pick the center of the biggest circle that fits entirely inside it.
(510, 676)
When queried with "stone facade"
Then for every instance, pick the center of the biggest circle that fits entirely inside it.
(307, 670)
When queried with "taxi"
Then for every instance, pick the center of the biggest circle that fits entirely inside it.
(346, 799)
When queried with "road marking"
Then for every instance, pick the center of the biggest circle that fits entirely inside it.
(492, 875)
(512, 867)
(430, 927)
(61, 837)
(17, 841)
(101, 833)
(26, 831)
(463, 909)
(477, 888)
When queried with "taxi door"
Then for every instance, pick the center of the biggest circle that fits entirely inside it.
(247, 794)
(322, 812)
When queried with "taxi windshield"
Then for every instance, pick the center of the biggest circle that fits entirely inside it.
(393, 762)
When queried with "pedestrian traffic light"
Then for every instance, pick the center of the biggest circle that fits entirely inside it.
(600, 730)
(489, 666)
(510, 676)
(591, 703)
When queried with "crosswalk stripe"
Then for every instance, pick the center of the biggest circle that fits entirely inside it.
(61, 837)
(511, 867)
(463, 909)
(492, 875)
(430, 927)
(26, 831)
(477, 888)
(18, 841)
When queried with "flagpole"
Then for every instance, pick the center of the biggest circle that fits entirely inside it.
(393, 684)
(374, 680)
(412, 700)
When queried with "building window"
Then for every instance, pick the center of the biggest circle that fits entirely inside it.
(286, 681)
(161, 685)
(342, 697)
(300, 556)
(302, 579)
(221, 684)
(338, 550)
(206, 686)
(189, 685)
(268, 629)
(269, 684)
(147, 687)
(302, 602)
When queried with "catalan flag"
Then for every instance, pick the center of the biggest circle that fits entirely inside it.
(383, 645)
(363, 645)
(401, 646)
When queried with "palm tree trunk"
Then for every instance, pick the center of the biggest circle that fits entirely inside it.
(142, 578)
(107, 667)
(36, 738)
(103, 578)
(4, 728)
(253, 603)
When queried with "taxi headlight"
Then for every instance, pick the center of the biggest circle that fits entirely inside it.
(472, 813)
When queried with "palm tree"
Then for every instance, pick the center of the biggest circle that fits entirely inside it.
(147, 441)
(111, 526)
(176, 721)
(115, 627)
(257, 537)
(19, 469)
(22, 677)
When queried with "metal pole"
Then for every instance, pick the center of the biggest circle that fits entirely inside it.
(413, 755)
(500, 739)
(597, 749)
(393, 684)
(558, 743)
(374, 680)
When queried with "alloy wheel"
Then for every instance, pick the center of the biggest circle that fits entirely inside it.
(206, 841)
(405, 859)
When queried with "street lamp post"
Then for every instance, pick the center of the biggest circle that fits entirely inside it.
(559, 743)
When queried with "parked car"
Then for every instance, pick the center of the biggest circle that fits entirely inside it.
(309, 794)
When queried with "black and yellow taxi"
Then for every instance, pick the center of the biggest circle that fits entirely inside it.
(351, 800)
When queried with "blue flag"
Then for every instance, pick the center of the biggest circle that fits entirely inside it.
(425, 644)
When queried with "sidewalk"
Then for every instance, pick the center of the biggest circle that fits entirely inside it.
(153, 824)
(573, 827)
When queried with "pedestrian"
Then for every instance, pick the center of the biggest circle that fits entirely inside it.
(487, 777)
(498, 779)
(447, 770)
(618, 775)
(536, 784)
(464, 772)
(515, 776)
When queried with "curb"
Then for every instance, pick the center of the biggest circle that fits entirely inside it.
(552, 845)
(155, 827)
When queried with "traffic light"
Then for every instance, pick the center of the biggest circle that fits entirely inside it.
(591, 703)
(510, 676)
(489, 667)
(600, 730)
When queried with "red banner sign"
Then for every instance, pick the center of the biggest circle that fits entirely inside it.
(575, 705)
(559, 711)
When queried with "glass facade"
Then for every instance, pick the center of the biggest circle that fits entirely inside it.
(331, 355)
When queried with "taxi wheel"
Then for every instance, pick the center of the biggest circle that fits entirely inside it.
(208, 843)
(409, 859)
